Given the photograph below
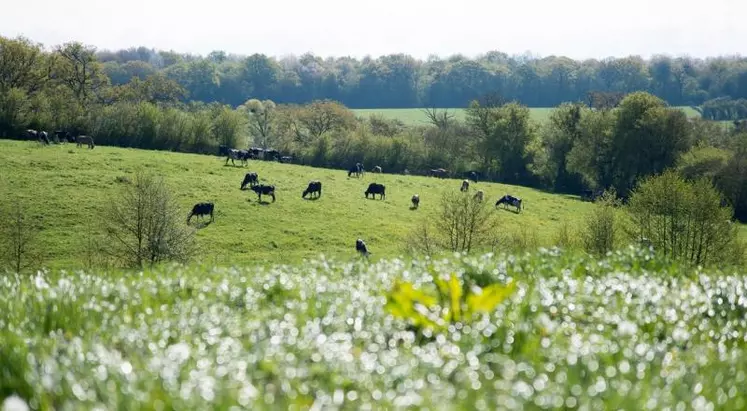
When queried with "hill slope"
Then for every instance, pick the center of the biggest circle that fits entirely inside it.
(68, 186)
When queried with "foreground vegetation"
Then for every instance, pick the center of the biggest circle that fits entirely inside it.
(628, 331)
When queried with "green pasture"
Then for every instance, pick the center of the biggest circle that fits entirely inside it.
(68, 187)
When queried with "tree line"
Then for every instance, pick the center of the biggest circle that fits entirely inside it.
(622, 138)
(401, 81)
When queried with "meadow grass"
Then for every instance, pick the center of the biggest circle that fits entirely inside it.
(69, 186)
(416, 116)
(629, 331)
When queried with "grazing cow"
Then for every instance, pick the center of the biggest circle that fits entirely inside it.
(415, 201)
(357, 169)
(472, 175)
(261, 189)
(438, 172)
(222, 150)
(64, 136)
(272, 155)
(479, 196)
(85, 140)
(32, 134)
(201, 209)
(241, 155)
(43, 137)
(377, 169)
(376, 188)
(314, 187)
(509, 200)
(360, 246)
(286, 159)
(250, 178)
(465, 186)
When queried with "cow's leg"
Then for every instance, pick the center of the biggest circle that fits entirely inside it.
(273, 196)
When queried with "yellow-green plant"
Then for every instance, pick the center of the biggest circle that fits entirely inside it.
(447, 303)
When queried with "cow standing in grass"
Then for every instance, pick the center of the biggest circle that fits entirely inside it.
(241, 155)
(88, 140)
(315, 187)
(479, 196)
(415, 201)
(509, 200)
(250, 178)
(465, 186)
(377, 169)
(360, 246)
(201, 209)
(262, 189)
(376, 188)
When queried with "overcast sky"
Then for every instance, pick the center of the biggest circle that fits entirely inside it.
(574, 28)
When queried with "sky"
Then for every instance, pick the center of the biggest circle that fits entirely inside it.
(575, 28)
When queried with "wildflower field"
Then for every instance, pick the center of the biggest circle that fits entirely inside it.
(546, 330)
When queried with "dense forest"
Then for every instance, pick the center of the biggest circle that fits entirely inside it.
(400, 81)
(616, 123)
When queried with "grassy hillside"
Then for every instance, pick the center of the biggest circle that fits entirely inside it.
(68, 186)
(628, 332)
(415, 116)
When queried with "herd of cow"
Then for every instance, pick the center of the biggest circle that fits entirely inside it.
(59, 137)
(314, 188)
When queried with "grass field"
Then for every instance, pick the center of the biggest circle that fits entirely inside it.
(416, 116)
(629, 332)
(68, 187)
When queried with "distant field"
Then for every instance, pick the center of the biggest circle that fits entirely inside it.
(416, 116)
(68, 186)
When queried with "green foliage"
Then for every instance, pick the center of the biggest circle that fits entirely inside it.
(445, 302)
(684, 219)
(462, 224)
(601, 233)
(144, 225)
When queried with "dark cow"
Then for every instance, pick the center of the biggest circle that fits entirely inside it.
(272, 155)
(509, 200)
(262, 189)
(64, 136)
(32, 134)
(286, 159)
(222, 150)
(415, 201)
(256, 152)
(43, 137)
(356, 169)
(471, 175)
(465, 186)
(315, 187)
(201, 209)
(377, 169)
(376, 188)
(360, 246)
(438, 172)
(234, 154)
(80, 140)
(250, 178)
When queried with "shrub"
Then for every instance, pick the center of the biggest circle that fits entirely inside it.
(145, 225)
(683, 219)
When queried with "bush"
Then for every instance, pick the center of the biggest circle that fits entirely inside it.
(602, 233)
(684, 219)
(145, 226)
(463, 224)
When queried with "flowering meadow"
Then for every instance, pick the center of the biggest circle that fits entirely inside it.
(544, 330)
